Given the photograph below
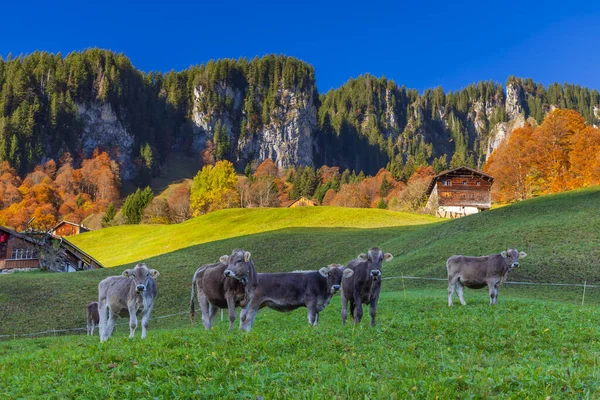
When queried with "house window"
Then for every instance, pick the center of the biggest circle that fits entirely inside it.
(477, 183)
(23, 254)
(464, 183)
(446, 182)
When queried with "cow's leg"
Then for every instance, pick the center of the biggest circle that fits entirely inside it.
(373, 310)
(358, 310)
(212, 312)
(344, 308)
(231, 308)
(103, 323)
(451, 283)
(93, 327)
(493, 293)
(459, 291)
(205, 308)
(249, 314)
(313, 315)
(146, 319)
(132, 322)
(110, 324)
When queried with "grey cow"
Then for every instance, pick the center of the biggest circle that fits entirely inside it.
(226, 284)
(128, 294)
(287, 291)
(479, 272)
(93, 318)
(364, 286)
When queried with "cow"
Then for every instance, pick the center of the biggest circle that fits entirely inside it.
(478, 272)
(226, 284)
(93, 318)
(129, 294)
(287, 291)
(364, 285)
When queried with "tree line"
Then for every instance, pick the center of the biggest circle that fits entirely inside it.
(367, 124)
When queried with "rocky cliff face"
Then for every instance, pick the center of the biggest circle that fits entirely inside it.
(103, 130)
(287, 138)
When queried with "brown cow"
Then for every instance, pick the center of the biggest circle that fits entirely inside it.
(129, 294)
(478, 272)
(93, 318)
(287, 291)
(364, 286)
(227, 284)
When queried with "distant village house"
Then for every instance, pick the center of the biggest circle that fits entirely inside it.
(66, 228)
(24, 251)
(302, 202)
(459, 192)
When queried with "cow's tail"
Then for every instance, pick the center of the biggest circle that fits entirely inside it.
(192, 302)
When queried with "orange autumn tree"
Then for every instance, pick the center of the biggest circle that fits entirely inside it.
(560, 154)
(510, 165)
(48, 195)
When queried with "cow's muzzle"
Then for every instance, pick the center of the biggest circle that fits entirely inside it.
(335, 288)
(140, 288)
(229, 273)
(514, 265)
(375, 274)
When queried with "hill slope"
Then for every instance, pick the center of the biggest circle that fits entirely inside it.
(559, 232)
(139, 242)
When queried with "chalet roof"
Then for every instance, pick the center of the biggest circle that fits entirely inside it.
(301, 198)
(76, 251)
(472, 171)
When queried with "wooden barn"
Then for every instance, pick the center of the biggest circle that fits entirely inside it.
(20, 250)
(66, 228)
(302, 202)
(459, 192)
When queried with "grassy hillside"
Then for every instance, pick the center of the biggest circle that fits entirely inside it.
(420, 349)
(559, 232)
(124, 244)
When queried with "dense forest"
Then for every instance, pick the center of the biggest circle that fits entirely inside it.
(237, 109)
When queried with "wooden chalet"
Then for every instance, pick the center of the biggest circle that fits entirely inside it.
(459, 192)
(302, 202)
(20, 250)
(66, 228)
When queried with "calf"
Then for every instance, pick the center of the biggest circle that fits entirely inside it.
(227, 284)
(93, 318)
(288, 291)
(478, 272)
(129, 294)
(364, 286)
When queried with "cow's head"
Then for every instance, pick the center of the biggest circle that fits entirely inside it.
(140, 275)
(374, 259)
(238, 265)
(512, 257)
(334, 274)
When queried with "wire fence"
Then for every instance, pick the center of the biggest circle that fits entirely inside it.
(54, 332)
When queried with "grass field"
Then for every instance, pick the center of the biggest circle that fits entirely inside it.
(539, 341)
(125, 244)
(420, 349)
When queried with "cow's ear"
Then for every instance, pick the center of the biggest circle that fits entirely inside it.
(348, 273)
(388, 257)
(127, 273)
(522, 254)
(224, 259)
(154, 273)
(324, 271)
(247, 256)
(504, 254)
(363, 257)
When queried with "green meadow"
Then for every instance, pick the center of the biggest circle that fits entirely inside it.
(538, 341)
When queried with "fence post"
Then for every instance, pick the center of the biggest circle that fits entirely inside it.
(221, 314)
(583, 297)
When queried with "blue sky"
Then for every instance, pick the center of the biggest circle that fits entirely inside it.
(420, 44)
